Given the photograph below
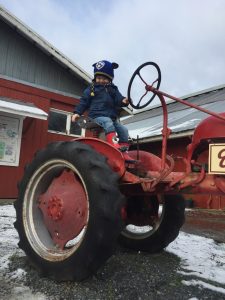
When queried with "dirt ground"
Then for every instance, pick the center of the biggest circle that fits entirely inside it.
(207, 223)
(128, 274)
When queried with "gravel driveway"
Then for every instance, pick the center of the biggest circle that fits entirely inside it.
(126, 275)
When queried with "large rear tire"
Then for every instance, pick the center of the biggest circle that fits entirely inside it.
(68, 211)
(163, 227)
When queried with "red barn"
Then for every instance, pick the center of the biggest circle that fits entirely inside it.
(39, 88)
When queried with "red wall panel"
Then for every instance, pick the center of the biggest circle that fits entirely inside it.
(35, 132)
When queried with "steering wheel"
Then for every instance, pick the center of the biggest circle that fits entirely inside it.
(157, 81)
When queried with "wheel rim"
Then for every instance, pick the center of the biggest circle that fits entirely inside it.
(132, 231)
(55, 210)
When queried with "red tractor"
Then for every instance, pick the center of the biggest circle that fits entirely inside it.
(77, 199)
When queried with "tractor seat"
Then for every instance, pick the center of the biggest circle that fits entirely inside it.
(98, 132)
(90, 124)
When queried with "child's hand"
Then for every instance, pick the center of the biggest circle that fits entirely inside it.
(75, 117)
(125, 101)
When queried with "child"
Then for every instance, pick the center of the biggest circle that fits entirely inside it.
(104, 101)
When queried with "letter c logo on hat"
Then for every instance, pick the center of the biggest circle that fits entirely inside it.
(99, 65)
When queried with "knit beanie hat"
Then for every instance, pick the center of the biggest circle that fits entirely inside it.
(105, 68)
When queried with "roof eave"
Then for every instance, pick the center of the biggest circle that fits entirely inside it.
(157, 138)
(23, 109)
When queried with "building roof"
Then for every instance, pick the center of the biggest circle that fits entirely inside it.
(182, 119)
(41, 43)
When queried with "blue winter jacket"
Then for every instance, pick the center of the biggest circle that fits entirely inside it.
(106, 102)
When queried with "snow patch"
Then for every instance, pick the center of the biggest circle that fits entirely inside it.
(204, 285)
(24, 293)
(200, 256)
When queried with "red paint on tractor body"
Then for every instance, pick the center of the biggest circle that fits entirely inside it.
(155, 175)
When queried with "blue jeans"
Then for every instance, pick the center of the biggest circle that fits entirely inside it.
(113, 126)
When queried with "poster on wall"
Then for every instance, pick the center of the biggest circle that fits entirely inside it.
(10, 140)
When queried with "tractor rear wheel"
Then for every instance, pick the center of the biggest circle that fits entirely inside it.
(68, 211)
(157, 230)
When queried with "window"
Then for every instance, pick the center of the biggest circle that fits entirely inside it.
(60, 122)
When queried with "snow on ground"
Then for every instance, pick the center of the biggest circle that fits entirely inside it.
(8, 244)
(8, 235)
(200, 256)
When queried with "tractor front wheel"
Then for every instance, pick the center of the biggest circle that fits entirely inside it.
(68, 211)
(155, 227)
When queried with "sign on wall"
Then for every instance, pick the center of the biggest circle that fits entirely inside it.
(10, 139)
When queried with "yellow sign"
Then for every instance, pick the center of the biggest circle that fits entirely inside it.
(217, 158)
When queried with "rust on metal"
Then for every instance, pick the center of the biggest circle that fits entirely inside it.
(65, 208)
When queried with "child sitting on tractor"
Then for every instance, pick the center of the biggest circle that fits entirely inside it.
(104, 101)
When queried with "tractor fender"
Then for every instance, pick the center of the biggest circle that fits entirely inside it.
(114, 157)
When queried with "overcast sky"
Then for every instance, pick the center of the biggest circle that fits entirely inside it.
(186, 38)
